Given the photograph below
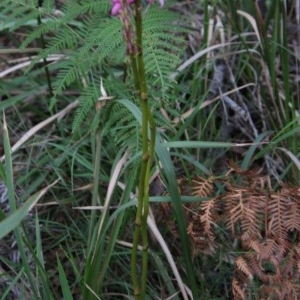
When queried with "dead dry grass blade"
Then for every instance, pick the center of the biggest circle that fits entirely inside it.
(252, 22)
(111, 186)
(27, 62)
(39, 126)
(155, 231)
(292, 156)
(197, 56)
(209, 102)
(185, 291)
(13, 220)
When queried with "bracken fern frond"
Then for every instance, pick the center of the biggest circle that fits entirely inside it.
(87, 37)
(264, 221)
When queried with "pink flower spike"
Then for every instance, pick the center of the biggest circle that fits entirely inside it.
(116, 6)
(115, 9)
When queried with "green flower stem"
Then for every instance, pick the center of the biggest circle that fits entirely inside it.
(146, 202)
(135, 71)
(140, 232)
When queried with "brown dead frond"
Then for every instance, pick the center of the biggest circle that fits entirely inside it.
(266, 223)
(238, 291)
(203, 187)
(243, 266)
(277, 214)
(207, 218)
(201, 228)
(267, 248)
(201, 242)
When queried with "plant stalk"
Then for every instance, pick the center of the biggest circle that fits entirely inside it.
(140, 232)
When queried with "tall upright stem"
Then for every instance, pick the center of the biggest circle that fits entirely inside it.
(140, 231)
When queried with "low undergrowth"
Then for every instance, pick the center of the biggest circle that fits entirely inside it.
(152, 154)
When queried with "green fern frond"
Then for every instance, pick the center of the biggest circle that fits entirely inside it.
(89, 38)
(86, 101)
(162, 46)
(19, 12)
(73, 9)
(123, 128)
(160, 119)
(63, 41)
(119, 112)
(63, 33)
(102, 39)
(70, 72)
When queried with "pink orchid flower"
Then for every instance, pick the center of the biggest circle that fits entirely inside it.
(116, 5)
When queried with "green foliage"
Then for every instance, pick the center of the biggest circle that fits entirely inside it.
(81, 45)
(19, 13)
(89, 42)
(86, 48)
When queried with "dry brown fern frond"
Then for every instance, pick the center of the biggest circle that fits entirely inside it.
(271, 264)
(238, 291)
(244, 267)
(201, 243)
(292, 208)
(264, 221)
(209, 212)
(203, 187)
(201, 228)
(277, 213)
(202, 217)
(252, 179)
(244, 212)
(267, 248)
